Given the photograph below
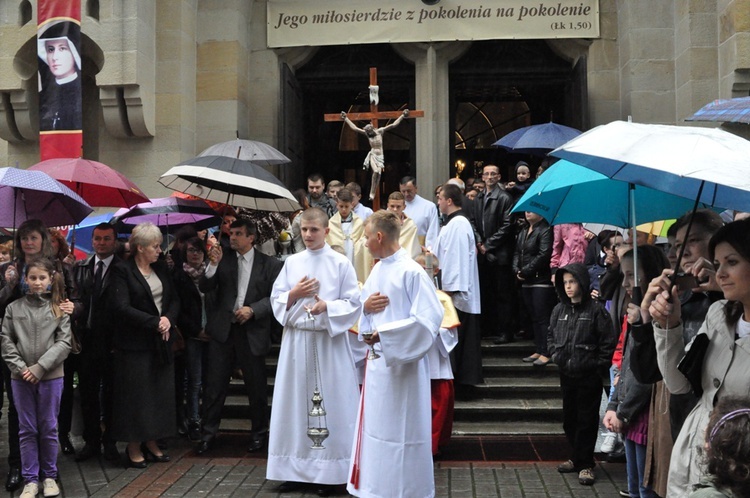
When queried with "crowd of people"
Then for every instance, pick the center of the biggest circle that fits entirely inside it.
(380, 317)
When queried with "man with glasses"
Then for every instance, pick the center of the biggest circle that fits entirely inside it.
(495, 239)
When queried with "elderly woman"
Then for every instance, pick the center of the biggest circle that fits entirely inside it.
(145, 308)
(32, 242)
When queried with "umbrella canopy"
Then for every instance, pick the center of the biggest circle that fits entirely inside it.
(680, 160)
(537, 139)
(169, 213)
(231, 181)
(97, 183)
(570, 193)
(725, 111)
(28, 194)
(247, 150)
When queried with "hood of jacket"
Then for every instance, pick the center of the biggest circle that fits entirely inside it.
(581, 274)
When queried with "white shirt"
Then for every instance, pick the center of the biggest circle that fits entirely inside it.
(425, 215)
(244, 270)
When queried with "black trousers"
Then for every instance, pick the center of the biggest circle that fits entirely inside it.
(581, 400)
(94, 367)
(540, 301)
(499, 295)
(222, 357)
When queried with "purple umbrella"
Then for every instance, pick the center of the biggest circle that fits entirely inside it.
(166, 213)
(28, 194)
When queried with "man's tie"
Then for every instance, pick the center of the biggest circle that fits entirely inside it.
(98, 276)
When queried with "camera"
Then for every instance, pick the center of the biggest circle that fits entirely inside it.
(685, 281)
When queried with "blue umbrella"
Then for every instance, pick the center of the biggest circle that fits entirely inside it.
(537, 139)
(570, 193)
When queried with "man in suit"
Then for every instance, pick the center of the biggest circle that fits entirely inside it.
(239, 324)
(92, 279)
(495, 238)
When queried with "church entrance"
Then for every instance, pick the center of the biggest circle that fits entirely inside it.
(495, 87)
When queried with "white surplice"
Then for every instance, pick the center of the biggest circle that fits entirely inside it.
(425, 215)
(457, 252)
(392, 450)
(290, 457)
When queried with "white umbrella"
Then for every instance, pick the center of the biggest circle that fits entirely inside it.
(232, 181)
(248, 150)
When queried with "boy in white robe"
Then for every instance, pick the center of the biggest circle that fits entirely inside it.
(316, 299)
(346, 228)
(392, 448)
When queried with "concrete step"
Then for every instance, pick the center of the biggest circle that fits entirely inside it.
(474, 429)
(509, 410)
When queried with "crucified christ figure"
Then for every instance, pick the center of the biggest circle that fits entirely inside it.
(374, 159)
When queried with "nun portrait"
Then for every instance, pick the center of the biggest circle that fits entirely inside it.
(59, 77)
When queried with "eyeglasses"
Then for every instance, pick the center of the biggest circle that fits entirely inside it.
(193, 250)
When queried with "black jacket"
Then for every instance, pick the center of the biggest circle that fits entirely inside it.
(95, 332)
(224, 282)
(135, 313)
(631, 397)
(493, 226)
(581, 337)
(191, 304)
(533, 253)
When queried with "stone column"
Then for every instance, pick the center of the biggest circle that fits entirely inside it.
(431, 64)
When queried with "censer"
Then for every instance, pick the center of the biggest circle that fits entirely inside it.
(317, 412)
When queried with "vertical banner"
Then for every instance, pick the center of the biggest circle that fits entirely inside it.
(59, 52)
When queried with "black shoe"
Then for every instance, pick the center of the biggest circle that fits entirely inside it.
(13, 481)
(504, 339)
(325, 489)
(88, 451)
(150, 455)
(289, 487)
(136, 465)
(194, 432)
(204, 447)
(66, 445)
(110, 452)
(258, 441)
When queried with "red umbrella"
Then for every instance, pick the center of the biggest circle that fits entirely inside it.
(97, 183)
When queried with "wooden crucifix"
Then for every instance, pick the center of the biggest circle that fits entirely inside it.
(374, 134)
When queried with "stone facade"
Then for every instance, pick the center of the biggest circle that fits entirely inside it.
(169, 78)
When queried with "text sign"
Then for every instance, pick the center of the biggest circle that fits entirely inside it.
(341, 22)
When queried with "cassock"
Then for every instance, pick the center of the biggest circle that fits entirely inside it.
(392, 450)
(408, 240)
(456, 250)
(425, 215)
(290, 457)
(441, 374)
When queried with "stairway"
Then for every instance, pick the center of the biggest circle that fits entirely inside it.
(516, 398)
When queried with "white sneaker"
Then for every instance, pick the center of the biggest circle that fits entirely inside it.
(609, 442)
(50, 488)
(30, 490)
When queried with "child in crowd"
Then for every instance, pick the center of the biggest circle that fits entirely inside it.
(629, 406)
(6, 251)
(36, 339)
(441, 373)
(359, 209)
(523, 180)
(333, 188)
(727, 452)
(581, 341)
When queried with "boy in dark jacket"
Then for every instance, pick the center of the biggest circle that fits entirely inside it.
(581, 341)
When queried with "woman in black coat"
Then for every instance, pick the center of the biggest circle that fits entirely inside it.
(145, 307)
(531, 262)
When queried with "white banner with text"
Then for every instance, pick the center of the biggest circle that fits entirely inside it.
(293, 23)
